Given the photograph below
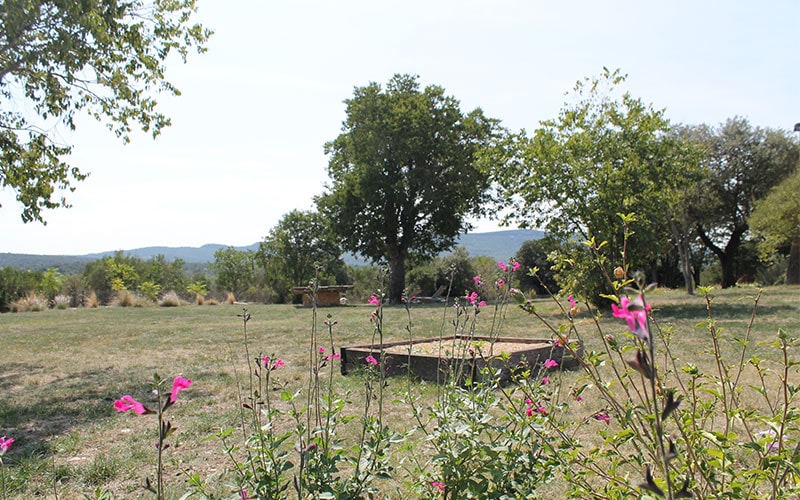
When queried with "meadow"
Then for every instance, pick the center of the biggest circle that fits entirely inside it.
(62, 370)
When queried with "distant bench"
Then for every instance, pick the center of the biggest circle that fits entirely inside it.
(328, 295)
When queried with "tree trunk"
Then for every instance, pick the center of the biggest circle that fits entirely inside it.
(728, 265)
(397, 276)
(793, 269)
(683, 256)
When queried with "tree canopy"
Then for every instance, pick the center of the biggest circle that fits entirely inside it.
(607, 153)
(291, 252)
(776, 220)
(104, 57)
(742, 163)
(403, 173)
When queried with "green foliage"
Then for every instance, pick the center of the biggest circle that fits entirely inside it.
(454, 271)
(605, 154)
(233, 269)
(300, 243)
(60, 58)
(776, 221)
(403, 173)
(535, 255)
(742, 164)
(14, 285)
(150, 290)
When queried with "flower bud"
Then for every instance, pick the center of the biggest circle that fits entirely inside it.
(619, 273)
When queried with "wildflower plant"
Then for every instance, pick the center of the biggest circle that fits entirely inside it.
(163, 401)
(674, 428)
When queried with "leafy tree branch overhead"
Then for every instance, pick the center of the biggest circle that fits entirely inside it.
(106, 58)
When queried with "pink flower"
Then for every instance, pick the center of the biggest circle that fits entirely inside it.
(578, 398)
(500, 283)
(502, 265)
(482, 303)
(635, 314)
(371, 360)
(333, 356)
(472, 297)
(127, 402)
(571, 301)
(541, 410)
(5, 444)
(515, 266)
(558, 342)
(549, 363)
(279, 363)
(322, 350)
(602, 417)
(529, 411)
(178, 384)
(477, 280)
(244, 495)
(439, 485)
(545, 380)
(374, 301)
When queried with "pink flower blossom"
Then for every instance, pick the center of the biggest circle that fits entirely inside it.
(322, 350)
(472, 298)
(545, 380)
(549, 363)
(477, 280)
(558, 342)
(571, 301)
(500, 283)
(529, 411)
(279, 363)
(542, 410)
(333, 356)
(127, 402)
(371, 360)
(602, 417)
(502, 265)
(5, 444)
(244, 495)
(515, 266)
(374, 301)
(438, 485)
(482, 303)
(635, 314)
(178, 384)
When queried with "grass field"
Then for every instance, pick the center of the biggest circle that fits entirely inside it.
(62, 369)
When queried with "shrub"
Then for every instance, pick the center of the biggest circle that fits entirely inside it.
(230, 298)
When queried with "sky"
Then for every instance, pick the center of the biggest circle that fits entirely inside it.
(246, 142)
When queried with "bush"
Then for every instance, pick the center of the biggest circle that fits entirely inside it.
(170, 299)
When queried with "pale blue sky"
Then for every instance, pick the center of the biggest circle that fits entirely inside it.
(246, 145)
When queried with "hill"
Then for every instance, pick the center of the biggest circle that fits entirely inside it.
(499, 245)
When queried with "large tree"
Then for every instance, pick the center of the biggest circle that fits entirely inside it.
(295, 247)
(403, 173)
(58, 58)
(742, 164)
(776, 219)
(607, 153)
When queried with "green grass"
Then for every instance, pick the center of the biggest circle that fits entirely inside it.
(62, 370)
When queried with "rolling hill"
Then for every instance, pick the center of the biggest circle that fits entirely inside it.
(499, 245)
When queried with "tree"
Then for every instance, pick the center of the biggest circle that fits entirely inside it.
(606, 154)
(536, 254)
(742, 164)
(293, 249)
(404, 173)
(776, 220)
(104, 57)
(233, 269)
